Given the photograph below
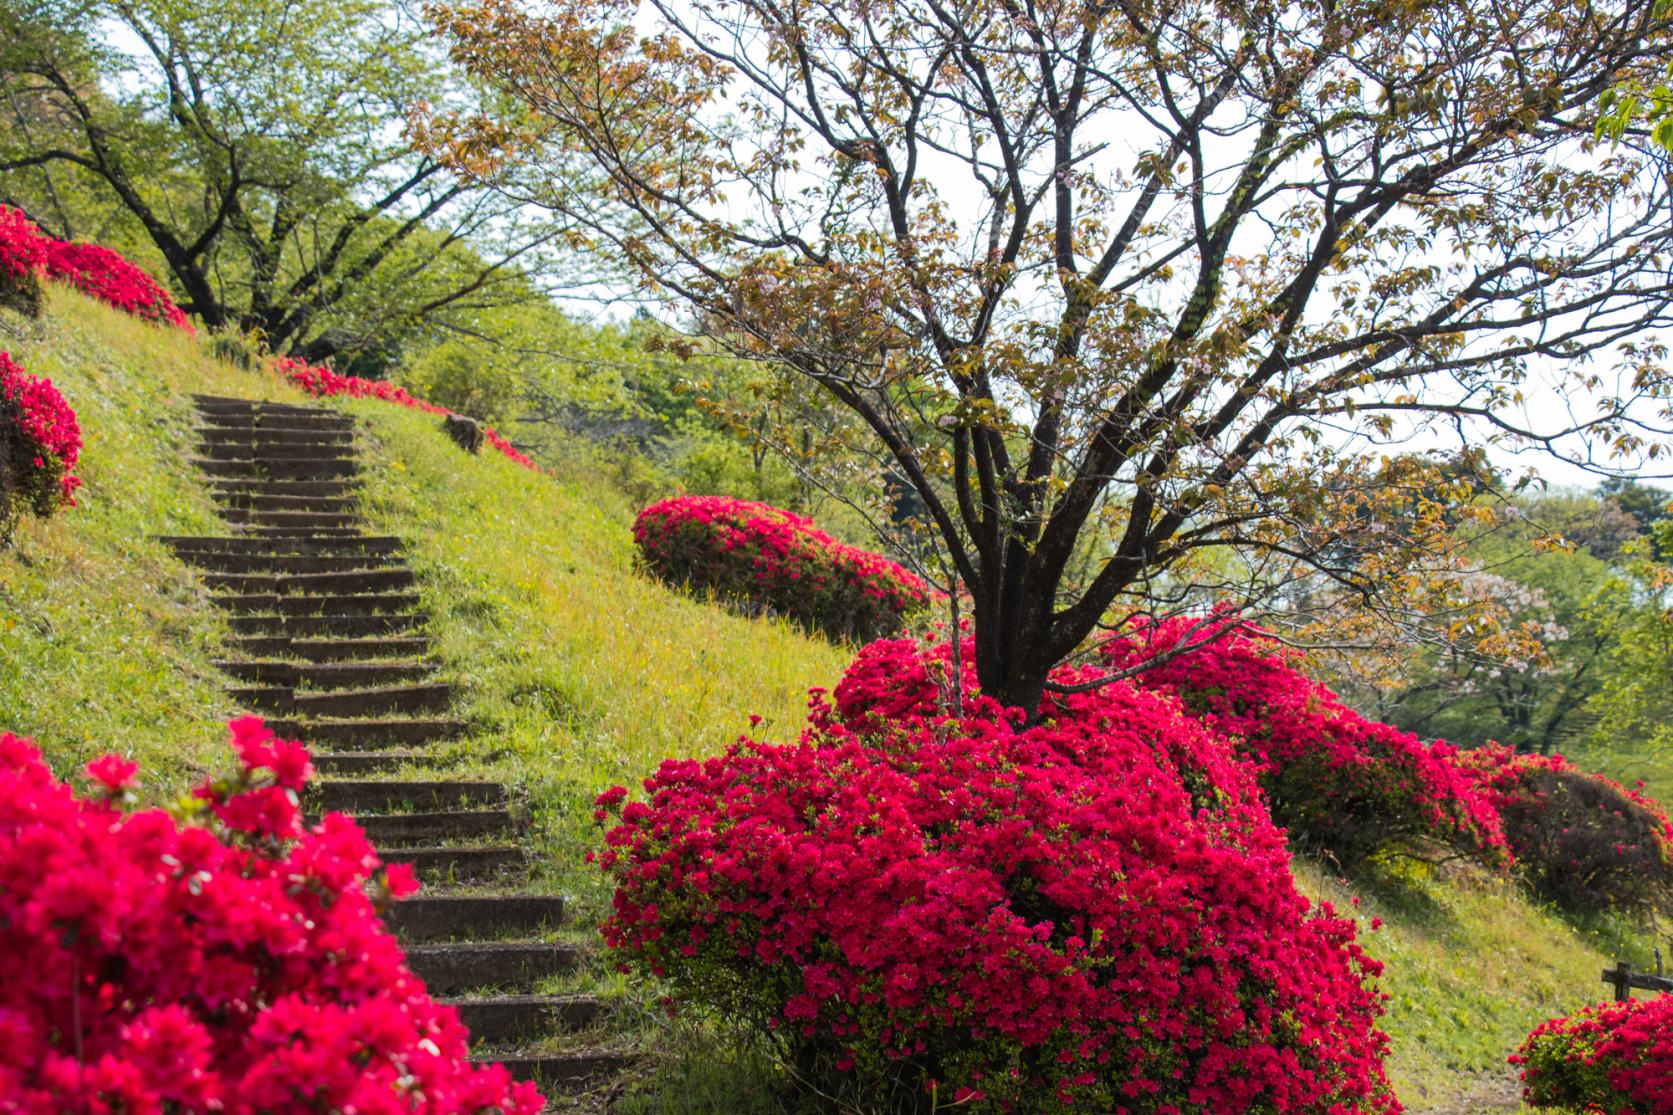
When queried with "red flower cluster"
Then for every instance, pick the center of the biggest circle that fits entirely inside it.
(1613, 1058)
(1333, 778)
(324, 382)
(1091, 914)
(40, 442)
(769, 557)
(95, 270)
(234, 966)
(1581, 840)
(21, 261)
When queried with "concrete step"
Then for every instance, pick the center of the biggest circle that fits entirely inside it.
(250, 502)
(325, 676)
(450, 969)
(205, 401)
(223, 445)
(354, 764)
(378, 795)
(348, 582)
(330, 650)
(217, 565)
(559, 1073)
(438, 917)
(393, 829)
(284, 700)
(504, 1018)
(382, 701)
(327, 626)
(369, 735)
(352, 604)
(438, 866)
(317, 468)
(298, 488)
(263, 435)
(337, 546)
(293, 535)
(313, 519)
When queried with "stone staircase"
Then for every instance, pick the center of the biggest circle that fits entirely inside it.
(329, 646)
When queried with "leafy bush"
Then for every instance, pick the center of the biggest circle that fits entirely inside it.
(40, 442)
(1581, 840)
(763, 556)
(324, 382)
(1613, 1058)
(21, 260)
(1333, 778)
(1093, 914)
(235, 964)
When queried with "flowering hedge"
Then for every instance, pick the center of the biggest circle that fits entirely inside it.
(94, 270)
(324, 382)
(1613, 1058)
(40, 442)
(1333, 778)
(235, 964)
(1581, 840)
(21, 261)
(764, 556)
(1094, 914)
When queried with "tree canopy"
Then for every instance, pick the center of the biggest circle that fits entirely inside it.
(1154, 273)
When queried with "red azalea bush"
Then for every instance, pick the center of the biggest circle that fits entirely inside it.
(1612, 1059)
(1093, 914)
(233, 965)
(1333, 778)
(324, 382)
(94, 270)
(40, 442)
(21, 261)
(1581, 840)
(764, 556)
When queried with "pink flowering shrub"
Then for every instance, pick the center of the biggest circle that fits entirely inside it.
(1333, 778)
(1612, 1059)
(21, 261)
(26, 252)
(1092, 914)
(40, 443)
(235, 964)
(110, 277)
(1582, 841)
(763, 556)
(325, 383)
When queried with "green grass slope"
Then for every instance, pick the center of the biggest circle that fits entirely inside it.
(577, 674)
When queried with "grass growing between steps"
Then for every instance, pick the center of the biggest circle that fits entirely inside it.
(106, 641)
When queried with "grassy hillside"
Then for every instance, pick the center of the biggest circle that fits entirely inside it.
(579, 674)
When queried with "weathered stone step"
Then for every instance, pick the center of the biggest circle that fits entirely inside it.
(504, 1018)
(449, 969)
(250, 503)
(311, 519)
(373, 795)
(272, 547)
(354, 604)
(367, 735)
(558, 1072)
(329, 675)
(330, 650)
(298, 488)
(391, 829)
(327, 626)
(204, 400)
(382, 701)
(254, 448)
(216, 564)
(264, 434)
(437, 917)
(468, 863)
(317, 468)
(348, 582)
(285, 700)
(352, 763)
